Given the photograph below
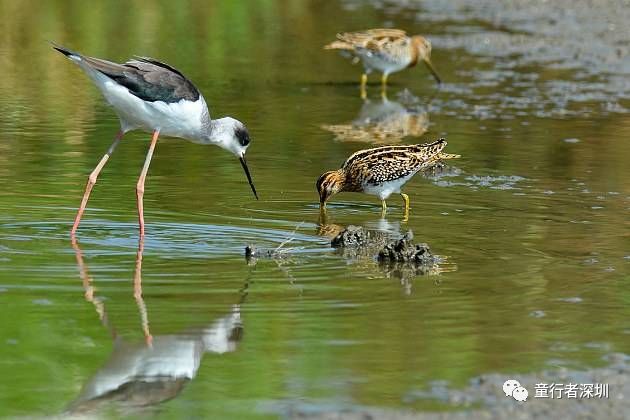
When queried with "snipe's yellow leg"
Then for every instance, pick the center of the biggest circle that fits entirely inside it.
(405, 198)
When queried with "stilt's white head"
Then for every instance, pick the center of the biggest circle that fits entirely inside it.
(232, 135)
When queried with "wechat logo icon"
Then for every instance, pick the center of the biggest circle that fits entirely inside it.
(512, 388)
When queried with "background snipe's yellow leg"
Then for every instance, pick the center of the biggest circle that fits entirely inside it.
(363, 83)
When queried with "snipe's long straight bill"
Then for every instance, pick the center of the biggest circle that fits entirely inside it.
(432, 70)
(249, 177)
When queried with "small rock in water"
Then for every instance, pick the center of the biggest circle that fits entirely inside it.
(572, 141)
(252, 253)
(537, 314)
(249, 251)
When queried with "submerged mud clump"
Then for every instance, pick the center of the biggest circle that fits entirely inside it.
(395, 256)
(405, 251)
(358, 243)
(402, 250)
(404, 260)
(351, 237)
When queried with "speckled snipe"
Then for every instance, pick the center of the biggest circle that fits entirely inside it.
(385, 50)
(381, 171)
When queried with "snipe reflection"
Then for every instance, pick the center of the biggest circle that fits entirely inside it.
(383, 121)
(139, 375)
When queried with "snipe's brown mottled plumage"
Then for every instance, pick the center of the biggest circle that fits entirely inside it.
(381, 171)
(385, 50)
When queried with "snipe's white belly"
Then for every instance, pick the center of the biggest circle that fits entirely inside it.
(385, 189)
(382, 63)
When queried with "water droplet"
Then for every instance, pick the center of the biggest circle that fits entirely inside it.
(574, 299)
(43, 302)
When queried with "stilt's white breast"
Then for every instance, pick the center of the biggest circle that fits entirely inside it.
(180, 119)
(177, 119)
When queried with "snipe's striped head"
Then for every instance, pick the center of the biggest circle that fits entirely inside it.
(329, 184)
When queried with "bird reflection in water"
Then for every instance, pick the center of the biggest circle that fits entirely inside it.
(384, 121)
(381, 228)
(140, 375)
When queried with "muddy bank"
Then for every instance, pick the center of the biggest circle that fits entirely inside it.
(486, 391)
(566, 57)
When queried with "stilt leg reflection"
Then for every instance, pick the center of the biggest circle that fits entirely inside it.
(88, 287)
(137, 294)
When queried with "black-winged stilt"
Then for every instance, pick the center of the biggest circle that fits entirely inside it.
(152, 96)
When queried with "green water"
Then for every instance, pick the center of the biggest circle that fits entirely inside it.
(533, 219)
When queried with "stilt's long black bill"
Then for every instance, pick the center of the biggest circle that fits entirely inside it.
(249, 177)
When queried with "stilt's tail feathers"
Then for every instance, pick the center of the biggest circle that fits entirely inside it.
(65, 51)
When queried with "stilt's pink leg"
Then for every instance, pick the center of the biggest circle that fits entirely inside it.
(143, 175)
(92, 180)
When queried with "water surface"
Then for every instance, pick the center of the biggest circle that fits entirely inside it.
(533, 219)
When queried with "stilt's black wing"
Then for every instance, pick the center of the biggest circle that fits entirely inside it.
(146, 78)
(157, 81)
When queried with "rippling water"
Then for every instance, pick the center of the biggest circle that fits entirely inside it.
(532, 221)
